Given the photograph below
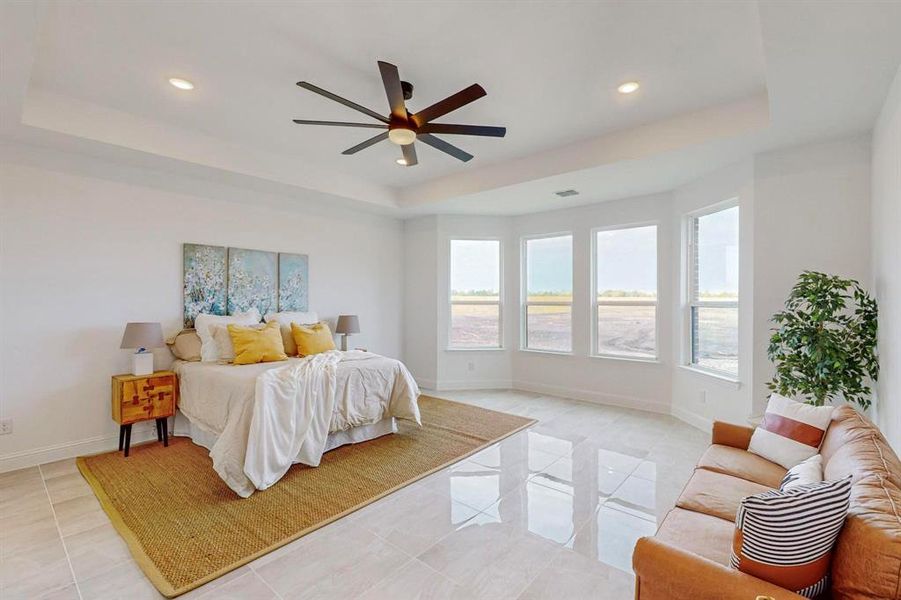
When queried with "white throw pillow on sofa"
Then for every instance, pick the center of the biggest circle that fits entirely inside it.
(791, 431)
(803, 473)
(284, 324)
(209, 352)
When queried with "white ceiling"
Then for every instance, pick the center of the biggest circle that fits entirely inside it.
(719, 79)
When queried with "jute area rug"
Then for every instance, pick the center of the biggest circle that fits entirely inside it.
(185, 527)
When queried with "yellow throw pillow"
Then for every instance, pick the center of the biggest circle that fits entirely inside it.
(312, 339)
(255, 344)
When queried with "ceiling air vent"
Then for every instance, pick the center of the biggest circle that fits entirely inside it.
(567, 193)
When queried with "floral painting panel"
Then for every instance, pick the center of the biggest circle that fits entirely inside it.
(205, 283)
(252, 276)
(293, 282)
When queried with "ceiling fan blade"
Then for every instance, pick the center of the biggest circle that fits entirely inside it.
(318, 90)
(449, 104)
(391, 80)
(409, 155)
(367, 143)
(341, 124)
(464, 129)
(439, 144)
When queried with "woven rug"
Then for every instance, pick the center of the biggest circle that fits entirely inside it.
(185, 527)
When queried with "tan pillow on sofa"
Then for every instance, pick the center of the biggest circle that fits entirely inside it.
(186, 345)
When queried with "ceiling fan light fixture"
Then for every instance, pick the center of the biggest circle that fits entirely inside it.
(628, 87)
(182, 84)
(402, 136)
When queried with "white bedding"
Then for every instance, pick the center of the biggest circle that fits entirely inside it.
(303, 400)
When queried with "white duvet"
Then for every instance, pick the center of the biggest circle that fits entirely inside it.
(271, 415)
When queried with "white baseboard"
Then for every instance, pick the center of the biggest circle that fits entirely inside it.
(467, 384)
(429, 384)
(695, 420)
(93, 445)
(593, 396)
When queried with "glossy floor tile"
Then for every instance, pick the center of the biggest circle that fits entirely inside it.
(550, 512)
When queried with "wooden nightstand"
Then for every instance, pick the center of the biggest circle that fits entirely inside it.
(141, 398)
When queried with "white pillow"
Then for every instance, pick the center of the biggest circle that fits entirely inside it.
(209, 352)
(791, 431)
(284, 324)
(803, 473)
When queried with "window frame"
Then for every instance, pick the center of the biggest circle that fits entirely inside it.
(450, 295)
(594, 303)
(524, 293)
(690, 301)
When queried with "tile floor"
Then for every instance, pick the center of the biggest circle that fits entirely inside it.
(551, 512)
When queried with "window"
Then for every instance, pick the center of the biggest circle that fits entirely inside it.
(625, 292)
(475, 294)
(713, 291)
(548, 265)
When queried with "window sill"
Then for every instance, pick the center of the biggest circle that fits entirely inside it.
(635, 359)
(550, 352)
(726, 379)
(500, 349)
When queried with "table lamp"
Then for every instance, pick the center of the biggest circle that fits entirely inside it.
(139, 337)
(347, 324)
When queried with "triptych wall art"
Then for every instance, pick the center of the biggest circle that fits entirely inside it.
(221, 281)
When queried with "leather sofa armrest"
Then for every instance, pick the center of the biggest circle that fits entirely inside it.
(727, 434)
(664, 571)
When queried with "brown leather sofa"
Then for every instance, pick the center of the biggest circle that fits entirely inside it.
(688, 558)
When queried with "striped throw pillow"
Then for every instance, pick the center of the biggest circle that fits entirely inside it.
(786, 538)
(790, 432)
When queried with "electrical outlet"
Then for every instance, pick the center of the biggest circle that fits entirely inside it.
(6, 426)
(471, 366)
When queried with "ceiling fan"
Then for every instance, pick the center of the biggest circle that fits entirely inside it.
(403, 127)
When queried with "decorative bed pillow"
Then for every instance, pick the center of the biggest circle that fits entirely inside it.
(223, 339)
(786, 538)
(185, 345)
(209, 352)
(257, 344)
(803, 473)
(790, 431)
(312, 339)
(285, 319)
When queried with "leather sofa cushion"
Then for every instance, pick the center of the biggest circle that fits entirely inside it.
(717, 494)
(697, 533)
(866, 561)
(857, 448)
(742, 464)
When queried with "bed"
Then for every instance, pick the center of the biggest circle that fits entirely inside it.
(257, 420)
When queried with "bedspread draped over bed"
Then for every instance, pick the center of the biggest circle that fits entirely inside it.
(272, 415)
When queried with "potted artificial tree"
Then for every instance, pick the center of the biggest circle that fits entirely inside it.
(824, 345)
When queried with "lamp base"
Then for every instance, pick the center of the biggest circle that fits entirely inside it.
(142, 363)
(344, 342)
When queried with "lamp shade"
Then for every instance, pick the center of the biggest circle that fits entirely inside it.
(348, 324)
(143, 335)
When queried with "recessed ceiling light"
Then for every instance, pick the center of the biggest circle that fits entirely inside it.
(628, 87)
(182, 84)
(401, 161)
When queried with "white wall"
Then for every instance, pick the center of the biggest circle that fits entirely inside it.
(421, 300)
(86, 246)
(811, 212)
(886, 257)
